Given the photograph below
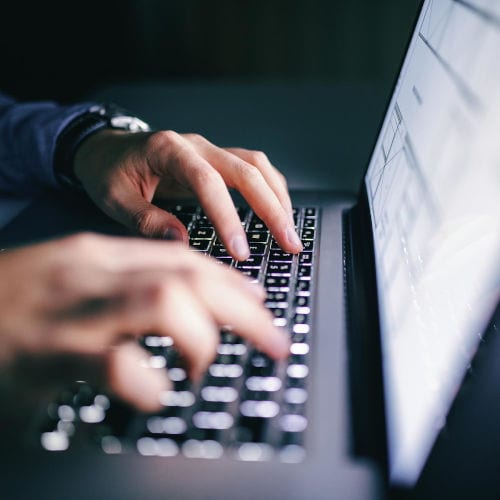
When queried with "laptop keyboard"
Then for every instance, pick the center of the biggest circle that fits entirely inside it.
(247, 405)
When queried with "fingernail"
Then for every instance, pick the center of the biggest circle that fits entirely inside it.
(173, 234)
(293, 238)
(240, 248)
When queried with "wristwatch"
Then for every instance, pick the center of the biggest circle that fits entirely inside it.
(98, 117)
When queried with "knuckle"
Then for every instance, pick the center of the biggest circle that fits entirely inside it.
(61, 279)
(194, 137)
(161, 139)
(81, 243)
(258, 157)
(205, 175)
(282, 178)
(248, 173)
(160, 291)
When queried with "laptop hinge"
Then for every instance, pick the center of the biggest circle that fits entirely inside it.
(365, 363)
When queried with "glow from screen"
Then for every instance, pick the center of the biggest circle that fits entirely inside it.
(433, 185)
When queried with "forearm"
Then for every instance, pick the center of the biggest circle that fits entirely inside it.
(28, 135)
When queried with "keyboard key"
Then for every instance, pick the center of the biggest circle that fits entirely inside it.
(206, 448)
(200, 245)
(254, 261)
(293, 423)
(300, 328)
(301, 301)
(269, 384)
(261, 409)
(169, 425)
(295, 395)
(212, 420)
(303, 288)
(277, 283)
(251, 273)
(279, 269)
(307, 234)
(277, 296)
(280, 256)
(304, 273)
(224, 260)
(257, 237)
(228, 337)
(300, 319)
(308, 245)
(162, 447)
(278, 312)
(299, 348)
(257, 225)
(202, 234)
(225, 371)
(309, 223)
(232, 349)
(223, 394)
(305, 258)
(257, 248)
(220, 251)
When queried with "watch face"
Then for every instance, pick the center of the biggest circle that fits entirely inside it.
(119, 118)
(130, 123)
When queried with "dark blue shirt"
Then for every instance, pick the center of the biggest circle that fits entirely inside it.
(28, 135)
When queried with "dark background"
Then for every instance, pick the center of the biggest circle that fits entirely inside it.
(63, 50)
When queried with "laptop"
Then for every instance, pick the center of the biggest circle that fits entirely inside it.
(388, 307)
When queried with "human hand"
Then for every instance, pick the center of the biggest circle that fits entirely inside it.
(83, 300)
(123, 172)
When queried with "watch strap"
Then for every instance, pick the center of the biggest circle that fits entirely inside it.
(68, 142)
(97, 118)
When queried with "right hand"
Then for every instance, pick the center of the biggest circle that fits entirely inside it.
(123, 172)
(88, 297)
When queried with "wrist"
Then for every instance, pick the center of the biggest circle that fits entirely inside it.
(94, 122)
(93, 151)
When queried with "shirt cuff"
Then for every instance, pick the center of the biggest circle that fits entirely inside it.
(28, 137)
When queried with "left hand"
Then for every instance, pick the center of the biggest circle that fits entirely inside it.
(122, 172)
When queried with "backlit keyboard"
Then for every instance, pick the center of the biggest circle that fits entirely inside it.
(247, 405)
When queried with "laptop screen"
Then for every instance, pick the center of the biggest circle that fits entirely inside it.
(433, 185)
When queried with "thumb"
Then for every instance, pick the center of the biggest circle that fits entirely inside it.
(135, 212)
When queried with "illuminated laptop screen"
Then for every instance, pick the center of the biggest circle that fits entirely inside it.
(433, 185)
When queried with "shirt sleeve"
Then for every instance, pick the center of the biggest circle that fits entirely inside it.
(28, 136)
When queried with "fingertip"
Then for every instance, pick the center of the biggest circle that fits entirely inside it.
(175, 234)
(294, 240)
(239, 247)
(136, 379)
(280, 344)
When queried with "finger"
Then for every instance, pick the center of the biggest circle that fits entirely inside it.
(271, 174)
(132, 378)
(231, 306)
(114, 255)
(250, 182)
(159, 303)
(134, 211)
(193, 170)
(176, 311)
